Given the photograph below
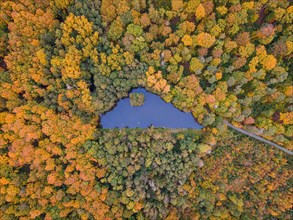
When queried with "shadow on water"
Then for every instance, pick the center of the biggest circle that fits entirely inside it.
(155, 111)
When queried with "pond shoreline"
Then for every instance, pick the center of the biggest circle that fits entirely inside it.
(155, 111)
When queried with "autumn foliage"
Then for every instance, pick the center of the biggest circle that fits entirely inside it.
(65, 63)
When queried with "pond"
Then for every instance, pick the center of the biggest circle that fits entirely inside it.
(155, 111)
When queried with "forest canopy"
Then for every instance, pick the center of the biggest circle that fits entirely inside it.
(63, 63)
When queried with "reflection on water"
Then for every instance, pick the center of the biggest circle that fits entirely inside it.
(154, 111)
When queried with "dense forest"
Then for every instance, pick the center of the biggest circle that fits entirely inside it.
(64, 63)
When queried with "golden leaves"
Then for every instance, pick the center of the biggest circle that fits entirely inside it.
(52, 178)
(195, 65)
(288, 91)
(70, 64)
(287, 118)
(210, 99)
(42, 57)
(100, 172)
(108, 10)
(177, 5)
(172, 215)
(269, 62)
(156, 81)
(205, 40)
(218, 75)
(83, 36)
(61, 4)
(82, 26)
(137, 206)
(187, 40)
(200, 12)
(247, 50)
(85, 95)
(222, 10)
(4, 181)
(50, 165)
(35, 213)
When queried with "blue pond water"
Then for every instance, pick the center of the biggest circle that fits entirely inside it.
(155, 111)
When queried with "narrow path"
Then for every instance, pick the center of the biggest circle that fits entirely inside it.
(258, 138)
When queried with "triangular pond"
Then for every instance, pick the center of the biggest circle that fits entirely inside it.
(155, 111)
